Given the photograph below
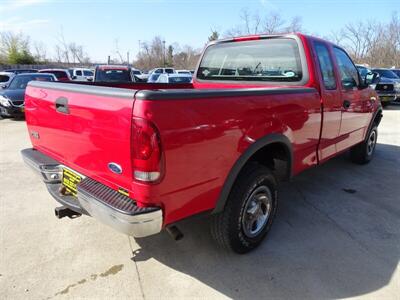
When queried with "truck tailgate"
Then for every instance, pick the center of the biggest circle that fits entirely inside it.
(83, 127)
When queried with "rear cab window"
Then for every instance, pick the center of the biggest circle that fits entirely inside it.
(113, 75)
(271, 60)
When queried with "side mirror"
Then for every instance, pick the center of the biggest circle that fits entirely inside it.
(375, 77)
(89, 78)
(74, 77)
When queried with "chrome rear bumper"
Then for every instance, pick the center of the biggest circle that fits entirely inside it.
(97, 200)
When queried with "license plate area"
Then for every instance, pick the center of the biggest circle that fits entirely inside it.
(70, 181)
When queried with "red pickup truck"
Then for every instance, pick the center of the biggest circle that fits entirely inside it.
(140, 157)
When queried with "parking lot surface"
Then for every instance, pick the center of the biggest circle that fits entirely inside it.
(337, 235)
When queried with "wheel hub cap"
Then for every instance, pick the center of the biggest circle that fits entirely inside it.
(257, 211)
(371, 142)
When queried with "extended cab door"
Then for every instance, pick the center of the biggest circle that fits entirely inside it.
(331, 99)
(356, 108)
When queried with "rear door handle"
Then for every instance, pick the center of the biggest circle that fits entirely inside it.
(62, 105)
(346, 104)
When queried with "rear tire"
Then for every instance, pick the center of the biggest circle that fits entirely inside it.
(363, 152)
(249, 211)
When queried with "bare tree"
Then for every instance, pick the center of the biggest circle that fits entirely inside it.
(370, 42)
(270, 24)
(69, 52)
(39, 51)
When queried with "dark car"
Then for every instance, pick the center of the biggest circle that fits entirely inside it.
(21, 71)
(112, 73)
(61, 74)
(396, 71)
(12, 97)
(387, 85)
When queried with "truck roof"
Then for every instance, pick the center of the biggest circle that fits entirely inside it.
(113, 67)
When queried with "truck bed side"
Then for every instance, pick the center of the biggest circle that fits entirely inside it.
(205, 132)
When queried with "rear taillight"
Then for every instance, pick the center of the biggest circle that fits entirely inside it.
(146, 151)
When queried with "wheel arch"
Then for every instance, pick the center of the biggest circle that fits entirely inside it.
(278, 140)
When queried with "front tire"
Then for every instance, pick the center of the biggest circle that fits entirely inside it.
(363, 152)
(249, 211)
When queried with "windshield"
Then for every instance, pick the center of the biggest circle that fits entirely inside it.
(21, 81)
(58, 74)
(386, 74)
(4, 78)
(180, 79)
(153, 77)
(259, 60)
(136, 72)
(397, 72)
(87, 73)
(113, 75)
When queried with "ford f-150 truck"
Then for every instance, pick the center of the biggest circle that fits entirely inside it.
(140, 157)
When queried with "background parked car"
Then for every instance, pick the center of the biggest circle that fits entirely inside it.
(20, 71)
(5, 78)
(365, 73)
(112, 73)
(81, 74)
(183, 72)
(61, 74)
(174, 78)
(162, 71)
(153, 77)
(12, 97)
(142, 76)
(387, 85)
(139, 76)
(396, 71)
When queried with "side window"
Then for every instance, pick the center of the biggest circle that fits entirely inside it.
(326, 66)
(158, 71)
(163, 79)
(78, 73)
(348, 72)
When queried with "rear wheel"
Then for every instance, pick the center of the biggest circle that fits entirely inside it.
(363, 152)
(249, 211)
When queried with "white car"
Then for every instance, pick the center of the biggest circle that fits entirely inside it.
(162, 71)
(183, 72)
(137, 73)
(81, 74)
(5, 78)
(174, 78)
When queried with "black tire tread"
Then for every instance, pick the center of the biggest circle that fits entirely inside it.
(220, 224)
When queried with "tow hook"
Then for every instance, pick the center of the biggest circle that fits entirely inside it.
(63, 211)
(174, 232)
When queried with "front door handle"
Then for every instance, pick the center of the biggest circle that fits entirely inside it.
(62, 105)
(346, 104)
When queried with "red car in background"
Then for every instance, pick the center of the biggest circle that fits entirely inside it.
(61, 74)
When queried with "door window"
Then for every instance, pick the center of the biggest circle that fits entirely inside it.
(326, 66)
(348, 72)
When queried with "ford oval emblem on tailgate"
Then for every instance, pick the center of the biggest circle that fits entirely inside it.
(115, 168)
